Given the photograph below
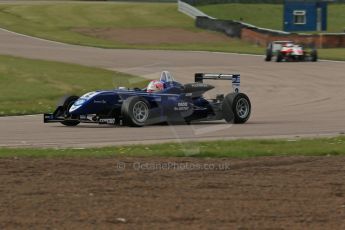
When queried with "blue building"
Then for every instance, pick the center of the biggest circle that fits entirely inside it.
(305, 15)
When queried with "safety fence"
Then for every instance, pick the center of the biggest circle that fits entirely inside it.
(231, 28)
(257, 35)
(190, 10)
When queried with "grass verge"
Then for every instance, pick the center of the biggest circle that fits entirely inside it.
(332, 54)
(33, 86)
(237, 148)
(269, 15)
(63, 21)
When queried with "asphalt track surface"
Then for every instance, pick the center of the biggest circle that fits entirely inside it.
(288, 99)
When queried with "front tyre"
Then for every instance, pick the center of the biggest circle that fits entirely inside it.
(135, 111)
(269, 54)
(279, 57)
(67, 103)
(236, 108)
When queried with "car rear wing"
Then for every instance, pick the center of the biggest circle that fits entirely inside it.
(277, 45)
(234, 78)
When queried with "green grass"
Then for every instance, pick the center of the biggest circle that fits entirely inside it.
(57, 21)
(270, 15)
(237, 148)
(261, 15)
(32, 86)
(332, 54)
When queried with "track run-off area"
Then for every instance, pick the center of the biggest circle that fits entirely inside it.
(288, 99)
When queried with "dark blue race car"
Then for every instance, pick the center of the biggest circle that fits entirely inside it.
(175, 103)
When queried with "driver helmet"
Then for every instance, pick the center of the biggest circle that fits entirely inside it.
(155, 86)
(288, 44)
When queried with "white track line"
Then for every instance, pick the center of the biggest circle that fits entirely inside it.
(37, 38)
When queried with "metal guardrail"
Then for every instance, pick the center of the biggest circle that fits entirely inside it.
(247, 25)
(231, 28)
(193, 12)
(234, 28)
(190, 10)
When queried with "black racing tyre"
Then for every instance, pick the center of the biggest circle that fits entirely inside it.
(302, 58)
(268, 54)
(236, 108)
(313, 55)
(66, 104)
(279, 57)
(135, 111)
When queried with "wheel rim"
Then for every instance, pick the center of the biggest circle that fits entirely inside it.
(66, 112)
(140, 111)
(242, 108)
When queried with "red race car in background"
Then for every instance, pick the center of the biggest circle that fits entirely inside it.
(289, 51)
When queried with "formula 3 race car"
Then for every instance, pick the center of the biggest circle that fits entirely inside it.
(289, 51)
(138, 107)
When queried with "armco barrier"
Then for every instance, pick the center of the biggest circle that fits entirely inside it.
(257, 35)
(190, 10)
(230, 28)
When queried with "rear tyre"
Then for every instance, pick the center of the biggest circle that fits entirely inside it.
(67, 102)
(135, 111)
(302, 58)
(236, 108)
(314, 56)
